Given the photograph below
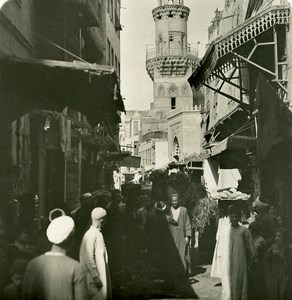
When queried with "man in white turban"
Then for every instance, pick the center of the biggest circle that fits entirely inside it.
(54, 275)
(94, 258)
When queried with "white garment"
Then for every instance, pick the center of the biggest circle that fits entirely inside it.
(223, 228)
(232, 251)
(117, 180)
(94, 258)
(228, 178)
(175, 212)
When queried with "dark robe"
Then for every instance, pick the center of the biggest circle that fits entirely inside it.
(179, 234)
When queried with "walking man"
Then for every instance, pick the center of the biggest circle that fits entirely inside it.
(236, 258)
(182, 233)
(53, 275)
(94, 258)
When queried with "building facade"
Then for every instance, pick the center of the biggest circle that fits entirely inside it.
(57, 156)
(153, 154)
(169, 63)
(247, 118)
(171, 60)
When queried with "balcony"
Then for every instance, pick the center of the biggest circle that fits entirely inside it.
(89, 13)
(155, 52)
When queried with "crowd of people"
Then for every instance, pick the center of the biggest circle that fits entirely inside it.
(253, 257)
(81, 255)
(78, 255)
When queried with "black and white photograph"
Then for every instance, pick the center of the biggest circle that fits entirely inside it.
(145, 149)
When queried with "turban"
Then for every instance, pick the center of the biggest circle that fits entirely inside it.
(86, 195)
(259, 204)
(60, 229)
(160, 206)
(98, 213)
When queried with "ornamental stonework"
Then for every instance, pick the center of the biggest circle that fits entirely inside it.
(174, 11)
(170, 66)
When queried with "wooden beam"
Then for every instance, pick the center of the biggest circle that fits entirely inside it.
(228, 80)
(253, 63)
(244, 105)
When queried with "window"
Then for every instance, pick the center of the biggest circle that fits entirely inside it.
(173, 102)
(136, 148)
(119, 69)
(173, 90)
(175, 148)
(185, 90)
(112, 57)
(108, 53)
(161, 91)
(135, 127)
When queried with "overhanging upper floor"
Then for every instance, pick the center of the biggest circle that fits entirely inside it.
(91, 89)
(242, 47)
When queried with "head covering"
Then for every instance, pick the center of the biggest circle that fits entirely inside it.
(86, 195)
(55, 213)
(60, 229)
(259, 204)
(160, 206)
(98, 213)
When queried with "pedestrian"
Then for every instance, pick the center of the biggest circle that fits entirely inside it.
(265, 216)
(13, 290)
(54, 275)
(181, 233)
(147, 210)
(279, 261)
(94, 258)
(279, 223)
(236, 258)
(257, 278)
(160, 242)
(21, 248)
(81, 216)
(82, 221)
(115, 232)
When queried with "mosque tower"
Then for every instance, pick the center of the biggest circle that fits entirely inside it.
(171, 60)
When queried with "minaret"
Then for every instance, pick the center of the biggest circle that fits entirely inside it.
(171, 60)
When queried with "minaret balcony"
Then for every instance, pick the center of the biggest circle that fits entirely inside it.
(171, 11)
(156, 52)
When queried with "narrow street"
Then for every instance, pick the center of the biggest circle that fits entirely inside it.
(144, 143)
(138, 283)
(206, 288)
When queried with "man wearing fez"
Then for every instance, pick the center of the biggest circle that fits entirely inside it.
(53, 275)
(94, 258)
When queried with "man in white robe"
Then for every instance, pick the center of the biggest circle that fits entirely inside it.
(236, 257)
(54, 275)
(94, 258)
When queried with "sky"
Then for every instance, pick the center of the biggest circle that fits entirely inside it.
(139, 31)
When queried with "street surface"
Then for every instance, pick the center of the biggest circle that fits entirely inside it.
(204, 285)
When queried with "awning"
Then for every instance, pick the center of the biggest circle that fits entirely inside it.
(28, 84)
(220, 52)
(233, 143)
(131, 162)
(196, 157)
